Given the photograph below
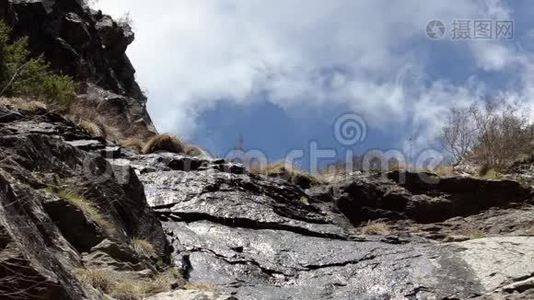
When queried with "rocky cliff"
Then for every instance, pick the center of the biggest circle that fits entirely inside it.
(90, 47)
(83, 218)
(64, 210)
(72, 203)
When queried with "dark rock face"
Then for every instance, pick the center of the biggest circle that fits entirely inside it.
(424, 198)
(26, 271)
(121, 117)
(80, 231)
(90, 47)
(77, 41)
(249, 201)
(46, 233)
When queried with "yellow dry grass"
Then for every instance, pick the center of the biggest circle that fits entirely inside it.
(123, 287)
(444, 170)
(193, 150)
(23, 104)
(133, 144)
(474, 233)
(489, 173)
(163, 142)
(286, 171)
(92, 128)
(143, 247)
(374, 228)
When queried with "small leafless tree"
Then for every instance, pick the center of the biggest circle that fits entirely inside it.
(493, 135)
(460, 134)
(504, 136)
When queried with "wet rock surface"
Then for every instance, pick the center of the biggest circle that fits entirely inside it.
(261, 238)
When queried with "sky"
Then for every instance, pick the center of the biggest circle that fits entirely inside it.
(278, 75)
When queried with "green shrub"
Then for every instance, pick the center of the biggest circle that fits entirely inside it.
(22, 75)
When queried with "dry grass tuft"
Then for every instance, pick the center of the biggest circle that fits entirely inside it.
(194, 150)
(288, 172)
(474, 233)
(127, 290)
(92, 128)
(143, 248)
(444, 170)
(88, 208)
(23, 104)
(99, 279)
(489, 173)
(132, 143)
(163, 142)
(375, 228)
(122, 287)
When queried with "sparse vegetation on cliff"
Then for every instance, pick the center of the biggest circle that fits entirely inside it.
(143, 247)
(375, 228)
(288, 172)
(23, 75)
(492, 136)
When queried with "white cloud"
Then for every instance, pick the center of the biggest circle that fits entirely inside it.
(191, 54)
(491, 56)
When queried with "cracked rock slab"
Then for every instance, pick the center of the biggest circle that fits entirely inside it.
(277, 264)
(241, 199)
(261, 238)
(499, 261)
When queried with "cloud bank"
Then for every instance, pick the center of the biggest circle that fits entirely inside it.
(372, 57)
